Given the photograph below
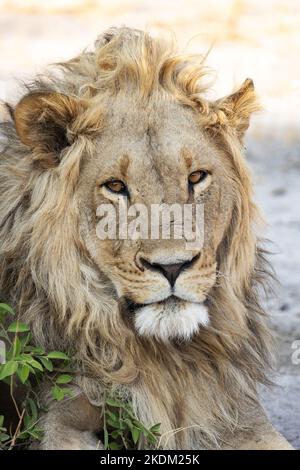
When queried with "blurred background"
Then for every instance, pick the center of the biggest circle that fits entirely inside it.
(247, 38)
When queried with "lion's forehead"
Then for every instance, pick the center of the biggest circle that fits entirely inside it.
(160, 140)
(156, 120)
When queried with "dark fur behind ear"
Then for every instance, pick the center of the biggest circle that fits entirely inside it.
(42, 121)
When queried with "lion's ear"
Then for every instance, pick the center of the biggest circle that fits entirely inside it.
(236, 109)
(42, 121)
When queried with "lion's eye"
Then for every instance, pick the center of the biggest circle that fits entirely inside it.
(116, 186)
(197, 176)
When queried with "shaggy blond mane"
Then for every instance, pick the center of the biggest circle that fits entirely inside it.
(47, 274)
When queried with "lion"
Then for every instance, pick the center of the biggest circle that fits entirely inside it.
(180, 332)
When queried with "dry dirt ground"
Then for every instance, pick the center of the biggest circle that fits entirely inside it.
(248, 38)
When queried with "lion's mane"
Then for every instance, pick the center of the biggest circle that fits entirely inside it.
(200, 388)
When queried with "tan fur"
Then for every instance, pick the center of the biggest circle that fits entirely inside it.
(134, 109)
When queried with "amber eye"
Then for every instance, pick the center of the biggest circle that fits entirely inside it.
(197, 176)
(116, 186)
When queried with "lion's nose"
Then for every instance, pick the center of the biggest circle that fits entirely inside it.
(170, 271)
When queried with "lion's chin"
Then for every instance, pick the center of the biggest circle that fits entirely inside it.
(170, 319)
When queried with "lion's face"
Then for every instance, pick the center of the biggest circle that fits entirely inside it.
(153, 156)
(142, 135)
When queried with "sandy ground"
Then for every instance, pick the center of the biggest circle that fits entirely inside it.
(277, 170)
(249, 38)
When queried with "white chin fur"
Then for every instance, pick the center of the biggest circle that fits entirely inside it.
(171, 319)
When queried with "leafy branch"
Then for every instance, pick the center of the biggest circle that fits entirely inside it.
(28, 365)
(122, 429)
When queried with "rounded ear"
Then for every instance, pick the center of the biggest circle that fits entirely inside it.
(235, 110)
(42, 121)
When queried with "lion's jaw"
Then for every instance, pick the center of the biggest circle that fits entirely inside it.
(172, 318)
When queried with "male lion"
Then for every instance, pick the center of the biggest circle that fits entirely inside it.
(178, 331)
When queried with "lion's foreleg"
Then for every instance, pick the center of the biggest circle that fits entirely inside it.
(261, 436)
(264, 440)
(71, 425)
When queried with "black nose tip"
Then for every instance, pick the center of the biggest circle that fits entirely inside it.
(170, 271)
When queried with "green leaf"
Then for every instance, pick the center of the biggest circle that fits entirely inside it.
(36, 365)
(25, 362)
(1, 420)
(30, 361)
(57, 393)
(25, 357)
(27, 421)
(116, 433)
(18, 327)
(156, 428)
(135, 434)
(37, 433)
(8, 369)
(7, 380)
(57, 355)
(138, 425)
(114, 446)
(17, 346)
(6, 308)
(112, 424)
(33, 408)
(23, 372)
(35, 350)
(46, 363)
(151, 439)
(23, 436)
(3, 333)
(34, 434)
(4, 437)
(129, 423)
(63, 379)
(114, 403)
(112, 416)
(67, 391)
(25, 340)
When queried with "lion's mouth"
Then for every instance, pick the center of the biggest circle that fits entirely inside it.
(169, 318)
(131, 307)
